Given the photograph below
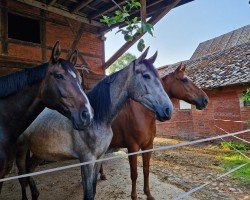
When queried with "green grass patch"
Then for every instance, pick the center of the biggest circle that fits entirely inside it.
(237, 145)
(232, 159)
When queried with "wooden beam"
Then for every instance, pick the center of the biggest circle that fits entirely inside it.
(108, 8)
(76, 39)
(4, 27)
(152, 21)
(43, 35)
(143, 11)
(61, 12)
(80, 6)
(51, 2)
(80, 56)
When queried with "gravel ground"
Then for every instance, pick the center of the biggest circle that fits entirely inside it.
(172, 173)
(66, 185)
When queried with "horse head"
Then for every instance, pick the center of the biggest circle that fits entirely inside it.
(179, 86)
(61, 89)
(145, 87)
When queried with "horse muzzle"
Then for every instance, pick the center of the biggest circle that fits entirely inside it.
(201, 103)
(163, 114)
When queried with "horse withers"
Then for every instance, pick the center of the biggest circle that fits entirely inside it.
(24, 95)
(135, 126)
(51, 136)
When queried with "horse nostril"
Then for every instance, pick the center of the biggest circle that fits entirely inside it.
(85, 114)
(167, 112)
(205, 101)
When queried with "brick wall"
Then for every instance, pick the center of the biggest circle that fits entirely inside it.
(56, 28)
(225, 106)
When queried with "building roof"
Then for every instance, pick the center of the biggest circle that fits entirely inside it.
(223, 42)
(91, 11)
(228, 65)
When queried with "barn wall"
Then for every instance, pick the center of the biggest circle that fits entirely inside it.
(53, 27)
(225, 106)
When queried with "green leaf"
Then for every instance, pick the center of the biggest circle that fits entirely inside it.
(147, 27)
(128, 37)
(141, 45)
(124, 15)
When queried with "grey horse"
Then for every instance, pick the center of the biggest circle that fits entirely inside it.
(51, 136)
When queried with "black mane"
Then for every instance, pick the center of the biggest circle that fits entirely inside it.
(15, 82)
(99, 98)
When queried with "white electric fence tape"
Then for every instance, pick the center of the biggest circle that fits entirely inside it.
(125, 155)
(186, 194)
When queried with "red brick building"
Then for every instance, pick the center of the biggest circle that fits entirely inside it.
(28, 34)
(221, 67)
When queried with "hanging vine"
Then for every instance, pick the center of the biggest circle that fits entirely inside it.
(132, 26)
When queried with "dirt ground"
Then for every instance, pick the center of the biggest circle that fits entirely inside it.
(172, 173)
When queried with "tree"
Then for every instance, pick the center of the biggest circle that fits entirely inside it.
(121, 62)
(133, 27)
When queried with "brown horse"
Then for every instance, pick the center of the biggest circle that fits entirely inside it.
(24, 95)
(135, 126)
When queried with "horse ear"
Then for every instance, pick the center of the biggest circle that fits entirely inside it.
(153, 58)
(73, 57)
(142, 57)
(179, 72)
(56, 52)
(181, 68)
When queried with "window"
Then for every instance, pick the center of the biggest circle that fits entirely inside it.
(23, 28)
(184, 105)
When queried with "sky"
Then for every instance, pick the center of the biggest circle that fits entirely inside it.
(177, 35)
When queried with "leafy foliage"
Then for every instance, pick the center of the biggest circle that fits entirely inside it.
(121, 62)
(246, 96)
(133, 26)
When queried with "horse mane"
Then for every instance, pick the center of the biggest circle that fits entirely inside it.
(12, 83)
(99, 98)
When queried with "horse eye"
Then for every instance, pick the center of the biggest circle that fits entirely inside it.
(146, 76)
(58, 76)
(184, 80)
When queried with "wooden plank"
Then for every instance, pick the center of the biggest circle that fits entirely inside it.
(51, 2)
(108, 8)
(143, 11)
(61, 12)
(43, 35)
(127, 45)
(4, 27)
(76, 39)
(80, 6)
(80, 56)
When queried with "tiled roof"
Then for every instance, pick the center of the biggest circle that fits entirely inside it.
(230, 66)
(223, 42)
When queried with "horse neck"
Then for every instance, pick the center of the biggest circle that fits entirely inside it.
(118, 93)
(18, 111)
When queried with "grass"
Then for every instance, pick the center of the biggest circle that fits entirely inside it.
(232, 159)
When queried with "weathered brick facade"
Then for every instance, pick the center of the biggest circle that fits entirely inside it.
(17, 54)
(225, 106)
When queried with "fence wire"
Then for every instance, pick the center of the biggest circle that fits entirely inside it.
(121, 156)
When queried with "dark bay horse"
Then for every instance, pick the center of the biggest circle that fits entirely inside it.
(24, 95)
(135, 126)
(138, 81)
